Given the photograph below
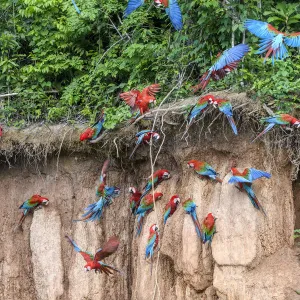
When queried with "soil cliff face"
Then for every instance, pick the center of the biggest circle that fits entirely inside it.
(251, 257)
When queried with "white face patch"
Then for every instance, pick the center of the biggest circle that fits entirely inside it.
(166, 175)
(176, 200)
(191, 165)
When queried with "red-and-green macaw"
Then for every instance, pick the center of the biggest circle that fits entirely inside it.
(144, 137)
(244, 180)
(281, 120)
(208, 228)
(152, 243)
(227, 61)
(226, 108)
(134, 199)
(106, 193)
(36, 201)
(158, 177)
(171, 207)
(203, 169)
(272, 41)
(94, 262)
(190, 208)
(92, 133)
(140, 100)
(171, 7)
(146, 206)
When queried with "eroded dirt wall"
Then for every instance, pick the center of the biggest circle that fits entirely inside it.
(251, 256)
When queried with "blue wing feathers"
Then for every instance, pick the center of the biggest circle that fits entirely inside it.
(132, 6)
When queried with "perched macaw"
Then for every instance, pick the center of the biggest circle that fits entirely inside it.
(106, 193)
(171, 7)
(226, 108)
(146, 206)
(272, 41)
(244, 182)
(281, 120)
(190, 208)
(203, 169)
(33, 203)
(208, 228)
(95, 262)
(92, 133)
(1, 131)
(76, 7)
(158, 177)
(171, 207)
(144, 136)
(198, 108)
(134, 199)
(141, 100)
(152, 243)
(227, 61)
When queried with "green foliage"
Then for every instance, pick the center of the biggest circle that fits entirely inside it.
(296, 233)
(69, 67)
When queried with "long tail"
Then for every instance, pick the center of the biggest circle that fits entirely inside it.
(106, 268)
(204, 80)
(139, 226)
(93, 212)
(232, 124)
(269, 127)
(76, 7)
(20, 221)
(219, 179)
(253, 198)
(136, 146)
(188, 125)
(197, 224)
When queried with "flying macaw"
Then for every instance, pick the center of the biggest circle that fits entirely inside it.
(95, 262)
(281, 120)
(106, 193)
(227, 61)
(134, 199)
(144, 136)
(152, 243)
(208, 228)
(141, 100)
(171, 7)
(76, 7)
(158, 177)
(226, 108)
(190, 208)
(36, 201)
(146, 206)
(198, 108)
(92, 133)
(272, 41)
(203, 169)
(244, 182)
(171, 207)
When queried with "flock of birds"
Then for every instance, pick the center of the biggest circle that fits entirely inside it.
(142, 203)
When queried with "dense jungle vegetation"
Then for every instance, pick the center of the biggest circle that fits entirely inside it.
(66, 67)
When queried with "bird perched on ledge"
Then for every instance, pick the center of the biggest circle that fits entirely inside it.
(152, 243)
(93, 132)
(94, 262)
(203, 169)
(171, 207)
(190, 208)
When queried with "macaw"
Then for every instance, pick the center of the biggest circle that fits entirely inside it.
(244, 182)
(134, 199)
(281, 120)
(92, 133)
(208, 228)
(198, 108)
(227, 61)
(144, 136)
(171, 207)
(226, 108)
(1, 131)
(171, 7)
(272, 41)
(95, 262)
(158, 177)
(146, 206)
(152, 243)
(76, 7)
(33, 203)
(190, 208)
(106, 193)
(203, 169)
(141, 100)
